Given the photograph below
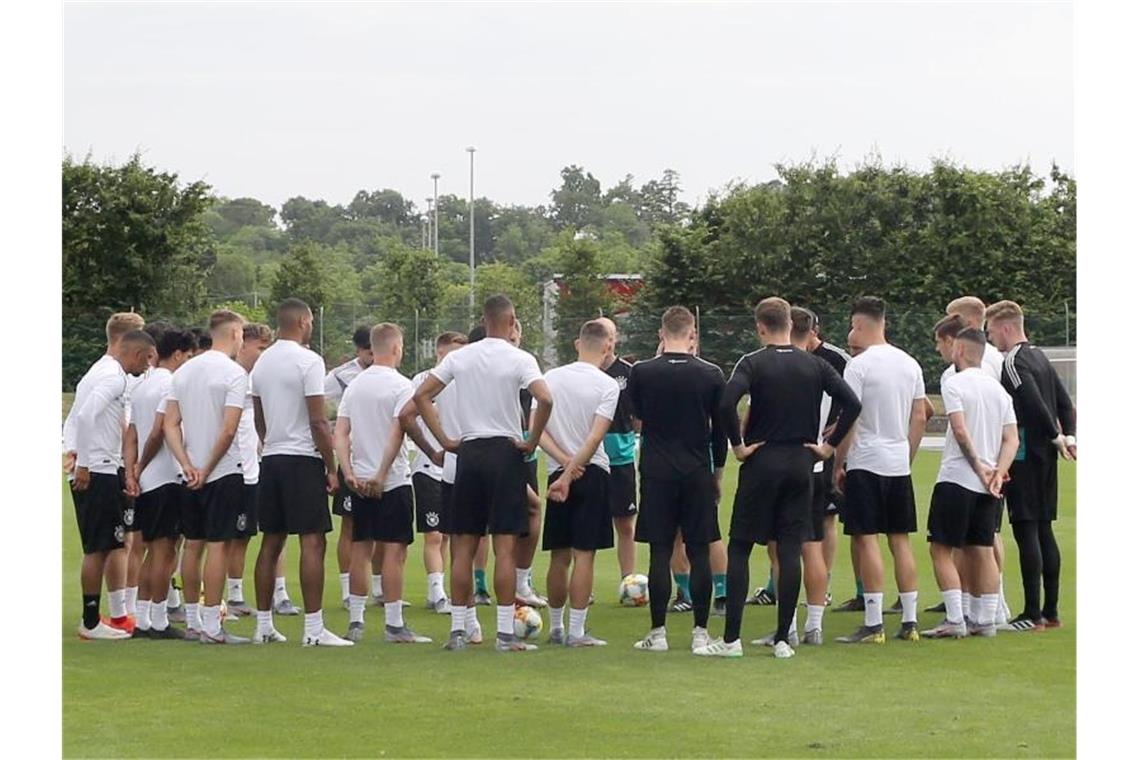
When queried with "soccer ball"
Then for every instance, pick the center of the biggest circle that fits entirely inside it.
(634, 591)
(528, 623)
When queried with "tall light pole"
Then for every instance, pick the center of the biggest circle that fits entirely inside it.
(424, 231)
(435, 211)
(471, 222)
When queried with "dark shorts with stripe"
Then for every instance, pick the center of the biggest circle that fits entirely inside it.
(99, 513)
(1032, 489)
(292, 496)
(687, 504)
(623, 490)
(216, 510)
(159, 511)
(388, 519)
(774, 496)
(878, 504)
(583, 521)
(960, 517)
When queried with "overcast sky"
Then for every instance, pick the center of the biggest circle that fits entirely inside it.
(276, 100)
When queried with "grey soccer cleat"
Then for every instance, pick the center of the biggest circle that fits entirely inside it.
(584, 641)
(169, 632)
(441, 606)
(511, 643)
(770, 640)
(176, 614)
(403, 635)
(946, 630)
(239, 608)
(456, 642)
(286, 607)
(987, 631)
(355, 632)
(557, 638)
(482, 599)
(813, 637)
(865, 634)
(225, 637)
(908, 632)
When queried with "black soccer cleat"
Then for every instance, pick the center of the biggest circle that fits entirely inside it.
(720, 606)
(894, 609)
(854, 604)
(940, 607)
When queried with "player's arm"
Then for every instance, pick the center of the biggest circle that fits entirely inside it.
(259, 420)
(172, 431)
(322, 437)
(544, 405)
(917, 425)
(153, 443)
(560, 488)
(85, 421)
(231, 418)
(553, 450)
(342, 443)
(1038, 414)
(728, 418)
(407, 416)
(391, 450)
(966, 444)
(1010, 441)
(130, 459)
(1066, 414)
(431, 387)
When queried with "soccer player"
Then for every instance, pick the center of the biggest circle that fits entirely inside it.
(433, 512)
(96, 439)
(336, 382)
(578, 515)
(490, 489)
(298, 469)
(787, 387)
(527, 545)
(370, 447)
(153, 474)
(1040, 402)
(980, 446)
(676, 396)
(201, 422)
(872, 467)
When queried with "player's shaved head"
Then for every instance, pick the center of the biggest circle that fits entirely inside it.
(678, 322)
(291, 312)
(121, 323)
(223, 319)
(135, 351)
(971, 309)
(609, 324)
(385, 337)
(970, 344)
(498, 312)
(870, 307)
(593, 336)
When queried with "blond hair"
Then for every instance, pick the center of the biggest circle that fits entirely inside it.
(223, 317)
(1005, 310)
(383, 337)
(970, 308)
(121, 323)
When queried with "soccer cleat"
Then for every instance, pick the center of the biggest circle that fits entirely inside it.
(865, 634)
(403, 635)
(985, 631)
(814, 637)
(140, 633)
(681, 604)
(654, 641)
(701, 639)
(223, 637)
(854, 604)
(947, 630)
(770, 640)
(456, 641)
(827, 600)
(344, 603)
(512, 643)
(285, 607)
(272, 636)
(783, 651)
(584, 641)
(176, 614)
(482, 599)
(193, 634)
(102, 632)
(474, 634)
(376, 601)
(720, 648)
(126, 623)
(763, 596)
(940, 607)
(1050, 622)
(529, 599)
(894, 609)
(557, 638)
(1022, 624)
(908, 632)
(355, 632)
(240, 608)
(720, 606)
(169, 633)
(590, 603)
(441, 606)
(325, 638)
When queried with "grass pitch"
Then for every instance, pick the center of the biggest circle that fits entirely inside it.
(1013, 696)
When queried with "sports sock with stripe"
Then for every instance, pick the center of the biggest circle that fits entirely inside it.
(556, 615)
(952, 598)
(719, 585)
(356, 608)
(158, 618)
(578, 622)
(90, 611)
(909, 601)
(873, 609)
(394, 614)
(682, 581)
(480, 581)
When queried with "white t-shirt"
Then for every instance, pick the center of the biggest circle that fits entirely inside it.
(422, 462)
(147, 399)
(203, 388)
(372, 404)
(337, 380)
(445, 406)
(488, 376)
(104, 364)
(581, 392)
(97, 431)
(992, 362)
(247, 440)
(987, 408)
(285, 375)
(888, 381)
(824, 410)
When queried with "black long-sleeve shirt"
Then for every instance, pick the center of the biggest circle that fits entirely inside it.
(677, 396)
(837, 358)
(1039, 399)
(786, 385)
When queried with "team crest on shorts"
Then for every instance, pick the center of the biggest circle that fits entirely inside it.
(119, 532)
(347, 503)
(129, 516)
(432, 519)
(241, 521)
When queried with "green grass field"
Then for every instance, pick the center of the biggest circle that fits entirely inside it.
(1013, 696)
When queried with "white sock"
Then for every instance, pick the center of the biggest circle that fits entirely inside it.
(118, 603)
(211, 620)
(989, 603)
(142, 615)
(264, 621)
(435, 587)
(522, 580)
(132, 599)
(967, 605)
(471, 619)
(193, 617)
(377, 586)
(910, 606)
(394, 614)
(952, 598)
(279, 592)
(234, 591)
(344, 585)
(975, 608)
(814, 618)
(556, 618)
(158, 619)
(173, 596)
(458, 618)
(873, 608)
(356, 608)
(314, 623)
(578, 622)
(505, 618)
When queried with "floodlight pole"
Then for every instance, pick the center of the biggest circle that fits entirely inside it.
(435, 199)
(471, 233)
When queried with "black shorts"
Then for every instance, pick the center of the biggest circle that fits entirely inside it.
(774, 496)
(342, 502)
(214, 511)
(834, 498)
(960, 517)
(388, 519)
(431, 514)
(158, 512)
(489, 494)
(623, 490)
(291, 495)
(99, 513)
(688, 504)
(247, 520)
(1032, 489)
(532, 474)
(583, 521)
(446, 501)
(878, 504)
(820, 500)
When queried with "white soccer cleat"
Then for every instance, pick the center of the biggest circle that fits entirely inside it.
(529, 598)
(700, 639)
(719, 648)
(272, 636)
(654, 641)
(102, 632)
(475, 634)
(782, 651)
(325, 638)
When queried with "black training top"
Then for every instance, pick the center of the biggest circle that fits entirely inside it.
(1039, 398)
(837, 358)
(786, 385)
(676, 397)
(623, 415)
